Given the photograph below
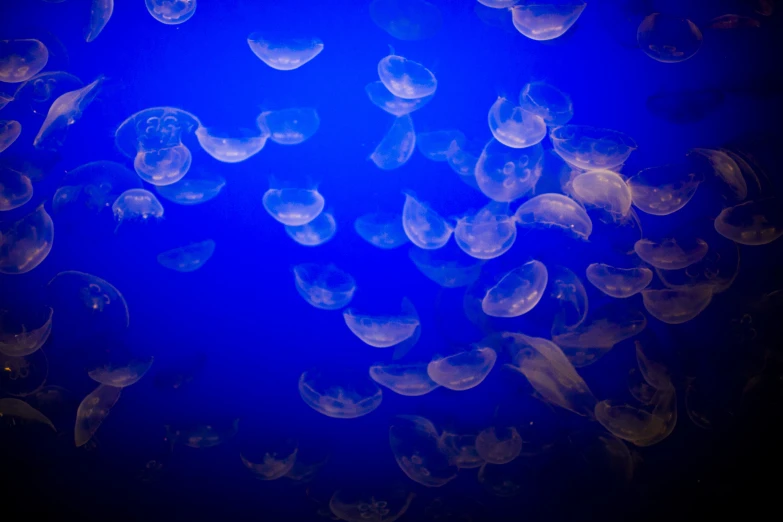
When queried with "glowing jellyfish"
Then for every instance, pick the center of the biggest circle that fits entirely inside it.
(677, 306)
(42, 89)
(423, 226)
(171, 12)
(499, 4)
(93, 410)
(15, 188)
(187, 258)
(505, 174)
(727, 170)
(570, 295)
(420, 452)
(123, 374)
(20, 60)
(285, 54)
(203, 435)
(19, 409)
(359, 505)
(671, 253)
(63, 113)
(9, 131)
(439, 145)
(487, 234)
(448, 267)
(275, 463)
(618, 282)
(316, 232)
(664, 190)
(555, 210)
(231, 147)
(463, 159)
(462, 450)
(397, 146)
(153, 139)
(382, 230)
(406, 19)
(546, 21)
(293, 206)
(667, 38)
(603, 189)
(517, 292)
(718, 269)
(410, 380)
(383, 331)
(405, 78)
(290, 126)
(548, 102)
(93, 187)
(195, 189)
(513, 126)
(15, 338)
(137, 205)
(100, 13)
(751, 223)
(339, 394)
(25, 243)
(23, 376)
(324, 286)
(381, 97)
(733, 21)
(591, 148)
(499, 445)
(463, 370)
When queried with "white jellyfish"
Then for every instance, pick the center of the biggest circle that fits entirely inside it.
(410, 379)
(547, 101)
(397, 146)
(555, 210)
(231, 147)
(197, 188)
(603, 189)
(517, 292)
(284, 54)
(663, 190)
(289, 126)
(293, 206)
(316, 232)
(463, 370)
(187, 258)
(381, 97)
(751, 223)
(546, 20)
(382, 230)
(590, 148)
(487, 234)
(505, 174)
(93, 410)
(499, 446)
(513, 126)
(137, 205)
(405, 78)
(448, 267)
(420, 451)
(679, 305)
(15, 338)
(100, 13)
(20, 60)
(9, 132)
(25, 243)
(383, 331)
(618, 282)
(671, 253)
(667, 38)
(324, 286)
(64, 111)
(171, 12)
(439, 145)
(423, 226)
(339, 394)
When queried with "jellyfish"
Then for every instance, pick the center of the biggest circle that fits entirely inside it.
(517, 292)
(17, 341)
(513, 126)
(405, 78)
(42, 89)
(733, 21)
(19, 409)
(406, 19)
(316, 232)
(171, 12)
(382, 230)
(439, 145)
(448, 267)
(499, 4)
(324, 286)
(277, 460)
(197, 188)
(93, 410)
(664, 190)
(499, 445)
(462, 450)
(63, 113)
(9, 132)
(383, 331)
(92, 188)
(751, 223)
(285, 54)
(25, 243)
(137, 205)
(671, 253)
(463, 159)
(5, 99)
(187, 258)
(202, 435)
(603, 189)
(618, 282)
(463, 370)
(100, 13)
(546, 21)
(487, 234)
(20, 60)
(15, 189)
(289, 126)
(424, 227)
(679, 305)
(591, 148)
(667, 38)
(397, 146)
(339, 394)
(231, 147)
(366, 504)
(555, 210)
(381, 97)
(571, 296)
(505, 174)
(23, 376)
(420, 451)
(410, 380)
(121, 375)
(548, 102)
(293, 206)
(727, 170)
(718, 269)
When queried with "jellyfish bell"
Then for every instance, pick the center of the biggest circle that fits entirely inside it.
(420, 452)
(89, 190)
(17, 338)
(381, 229)
(397, 145)
(448, 267)
(293, 206)
(64, 111)
(187, 258)
(285, 54)
(463, 370)
(664, 190)
(383, 330)
(555, 210)
(734, 185)
(171, 12)
(424, 227)
(410, 380)
(517, 292)
(9, 132)
(591, 148)
(231, 147)
(316, 232)
(137, 205)
(324, 286)
(405, 78)
(671, 253)
(499, 445)
(548, 20)
(20, 60)
(407, 20)
(289, 126)
(668, 39)
(603, 189)
(93, 410)
(16, 188)
(25, 243)
(513, 126)
(339, 394)
(487, 234)
(617, 282)
(505, 174)
(358, 504)
(197, 188)
(100, 13)
(439, 145)
(380, 96)
(547, 101)
(42, 89)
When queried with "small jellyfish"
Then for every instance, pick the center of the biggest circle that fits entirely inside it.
(195, 189)
(664, 190)
(499, 4)
(420, 451)
(590, 148)
(362, 504)
(570, 295)
(505, 174)
(517, 292)
(751, 223)
(381, 97)
(463, 159)
(100, 13)
(671, 253)
(9, 131)
(187, 258)
(439, 145)
(316, 232)
(603, 189)
(203, 435)
(339, 394)
(63, 113)
(548, 102)
(171, 12)
(231, 147)
(463, 370)
(93, 187)
(20, 60)
(121, 375)
(383, 331)
(289, 126)
(667, 38)
(324, 286)
(137, 205)
(285, 54)
(487, 234)
(397, 146)
(271, 460)
(618, 282)
(410, 380)
(17, 341)
(42, 89)
(555, 210)
(25, 243)
(93, 410)
(293, 206)
(15, 188)
(448, 267)
(546, 21)
(727, 170)
(513, 126)
(499, 445)
(19, 409)
(405, 78)
(406, 19)
(382, 230)
(679, 305)
(424, 227)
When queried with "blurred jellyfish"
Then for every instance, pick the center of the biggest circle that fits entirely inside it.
(9, 131)
(5, 99)
(339, 394)
(546, 21)
(603, 189)
(499, 4)
(316, 232)
(231, 147)
(591, 148)
(381, 97)
(100, 13)
(618, 282)
(671, 253)
(187, 258)
(42, 89)
(197, 188)
(63, 113)
(289, 126)
(93, 187)
(571, 296)
(121, 374)
(513, 126)
(548, 102)
(420, 452)
(397, 146)
(382, 230)
(499, 445)
(93, 410)
(517, 292)
(202, 435)
(358, 505)
(733, 21)
(137, 205)
(555, 210)
(293, 206)
(87, 303)
(410, 380)
(278, 459)
(487, 234)
(463, 159)
(171, 12)
(718, 269)
(25, 243)
(423, 226)
(727, 170)
(15, 188)
(667, 38)
(439, 145)
(462, 450)
(751, 223)
(20, 410)
(23, 376)
(324, 286)
(463, 370)
(677, 306)
(20, 60)
(664, 190)
(285, 54)
(384, 331)
(505, 174)
(17, 341)
(448, 267)
(406, 19)
(405, 78)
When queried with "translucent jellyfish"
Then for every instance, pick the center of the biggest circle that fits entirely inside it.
(420, 452)
(733, 21)
(137, 205)
(284, 54)
(361, 504)
(591, 148)
(293, 206)
(679, 305)
(667, 38)
(203, 435)
(463, 370)
(513, 126)
(123, 374)
(487, 234)
(448, 267)
(42, 89)
(316, 232)
(15, 189)
(187, 258)
(546, 21)
(406, 19)
(171, 12)
(289, 126)
(275, 463)
(618, 282)
(463, 160)
(20, 60)
(571, 296)
(555, 210)
(9, 131)
(751, 223)
(439, 145)
(685, 106)
(93, 410)
(23, 376)
(15, 338)
(382, 230)
(462, 450)
(324, 286)
(19, 409)
(397, 146)
(153, 139)
(517, 292)
(25, 243)
(231, 147)
(499, 445)
(63, 113)
(424, 227)
(338, 394)
(383, 331)
(381, 97)
(100, 13)
(603, 189)
(671, 253)
(548, 102)
(195, 189)
(410, 380)
(5, 99)
(505, 174)
(93, 187)
(664, 190)
(727, 170)
(499, 4)
(405, 78)
(718, 269)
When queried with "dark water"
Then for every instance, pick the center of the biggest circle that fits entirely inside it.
(231, 340)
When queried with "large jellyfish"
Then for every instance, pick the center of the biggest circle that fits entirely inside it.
(100, 13)
(499, 445)
(42, 89)
(410, 379)
(289, 126)
(93, 410)
(93, 187)
(20, 60)
(727, 170)
(187, 258)
(339, 394)
(618, 282)
(383, 331)
(276, 462)
(9, 132)
(555, 210)
(591, 148)
(231, 147)
(439, 145)
(423, 226)
(420, 452)
(381, 97)
(293, 206)
(284, 54)
(463, 370)
(513, 126)
(663, 190)
(25, 243)
(405, 78)
(547, 101)
(137, 205)
(171, 12)
(324, 286)
(397, 146)
(15, 188)
(546, 20)
(316, 232)
(365, 504)
(63, 113)
(671, 253)
(603, 189)
(667, 38)
(505, 174)
(199, 187)
(406, 19)
(448, 267)
(15, 338)
(679, 305)
(487, 234)
(382, 230)
(517, 292)
(751, 223)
